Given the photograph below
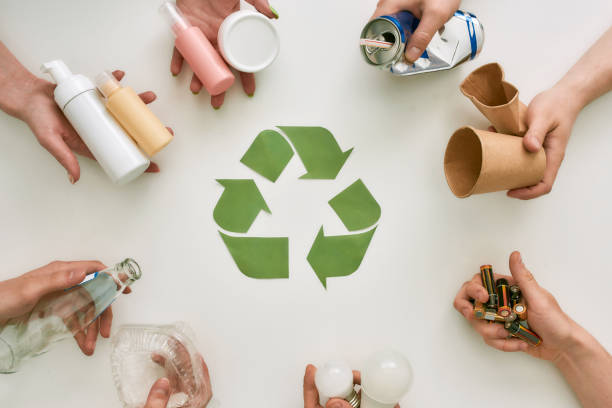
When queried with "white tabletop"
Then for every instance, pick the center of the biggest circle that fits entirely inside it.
(257, 336)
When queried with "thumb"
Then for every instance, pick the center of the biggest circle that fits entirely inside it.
(429, 24)
(536, 133)
(524, 279)
(63, 278)
(264, 8)
(337, 403)
(159, 394)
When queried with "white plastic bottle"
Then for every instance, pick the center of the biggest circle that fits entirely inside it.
(77, 97)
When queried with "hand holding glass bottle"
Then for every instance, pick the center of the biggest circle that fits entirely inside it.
(207, 15)
(29, 98)
(51, 303)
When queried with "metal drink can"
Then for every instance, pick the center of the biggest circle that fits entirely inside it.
(384, 39)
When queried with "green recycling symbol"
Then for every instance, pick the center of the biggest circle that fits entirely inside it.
(241, 202)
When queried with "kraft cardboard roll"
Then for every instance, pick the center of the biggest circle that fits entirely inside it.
(478, 161)
(497, 99)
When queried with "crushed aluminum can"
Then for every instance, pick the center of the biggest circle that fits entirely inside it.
(383, 43)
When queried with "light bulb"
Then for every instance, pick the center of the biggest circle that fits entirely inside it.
(334, 380)
(386, 378)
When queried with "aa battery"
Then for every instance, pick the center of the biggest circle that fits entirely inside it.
(523, 333)
(486, 273)
(521, 310)
(515, 295)
(503, 298)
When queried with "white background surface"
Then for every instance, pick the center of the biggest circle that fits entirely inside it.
(257, 336)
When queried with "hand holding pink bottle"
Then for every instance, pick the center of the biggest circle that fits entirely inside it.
(207, 16)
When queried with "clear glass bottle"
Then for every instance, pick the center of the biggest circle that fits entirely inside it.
(61, 315)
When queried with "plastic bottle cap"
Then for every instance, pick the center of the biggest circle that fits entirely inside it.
(107, 84)
(69, 85)
(174, 17)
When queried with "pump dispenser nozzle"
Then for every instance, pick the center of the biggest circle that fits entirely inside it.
(57, 69)
(174, 17)
(107, 83)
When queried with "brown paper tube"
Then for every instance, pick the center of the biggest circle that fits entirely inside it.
(478, 161)
(497, 99)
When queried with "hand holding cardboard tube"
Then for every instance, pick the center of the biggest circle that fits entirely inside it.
(581, 359)
(208, 15)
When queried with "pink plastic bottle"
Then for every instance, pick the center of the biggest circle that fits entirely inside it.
(201, 56)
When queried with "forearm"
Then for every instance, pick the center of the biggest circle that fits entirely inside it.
(16, 82)
(591, 76)
(587, 367)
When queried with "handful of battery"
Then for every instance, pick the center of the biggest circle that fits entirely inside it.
(505, 305)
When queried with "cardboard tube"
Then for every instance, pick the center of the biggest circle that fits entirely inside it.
(478, 161)
(497, 99)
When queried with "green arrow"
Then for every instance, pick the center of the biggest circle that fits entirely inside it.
(239, 205)
(338, 255)
(356, 207)
(268, 155)
(259, 258)
(318, 150)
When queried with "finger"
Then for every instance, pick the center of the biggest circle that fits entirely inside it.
(477, 291)
(106, 321)
(248, 83)
(118, 74)
(489, 330)
(430, 23)
(148, 96)
(92, 336)
(58, 148)
(524, 279)
(196, 85)
(356, 377)
(176, 64)
(337, 403)
(388, 7)
(507, 345)
(537, 129)
(554, 158)
(492, 129)
(153, 168)
(264, 8)
(159, 394)
(170, 130)
(61, 275)
(311, 395)
(205, 369)
(217, 100)
(81, 340)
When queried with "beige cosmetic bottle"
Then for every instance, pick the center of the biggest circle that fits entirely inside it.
(133, 115)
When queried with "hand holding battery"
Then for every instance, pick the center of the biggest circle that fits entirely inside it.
(545, 316)
(18, 296)
(432, 13)
(208, 16)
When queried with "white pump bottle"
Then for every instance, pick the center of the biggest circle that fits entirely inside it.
(77, 97)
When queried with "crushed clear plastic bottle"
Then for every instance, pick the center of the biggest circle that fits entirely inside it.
(63, 314)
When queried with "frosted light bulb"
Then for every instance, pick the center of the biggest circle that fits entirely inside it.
(335, 380)
(387, 376)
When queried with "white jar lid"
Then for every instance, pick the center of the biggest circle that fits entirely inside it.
(248, 41)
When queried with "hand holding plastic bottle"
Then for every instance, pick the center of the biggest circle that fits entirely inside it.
(163, 388)
(19, 296)
(29, 98)
(208, 16)
(432, 13)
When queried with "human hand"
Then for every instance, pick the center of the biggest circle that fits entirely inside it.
(208, 16)
(550, 118)
(19, 296)
(432, 13)
(164, 387)
(53, 130)
(545, 316)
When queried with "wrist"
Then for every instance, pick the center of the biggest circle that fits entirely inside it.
(16, 91)
(572, 93)
(579, 346)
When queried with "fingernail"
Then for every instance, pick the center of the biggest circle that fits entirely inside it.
(173, 74)
(250, 95)
(216, 107)
(163, 387)
(71, 179)
(195, 93)
(335, 404)
(274, 11)
(413, 54)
